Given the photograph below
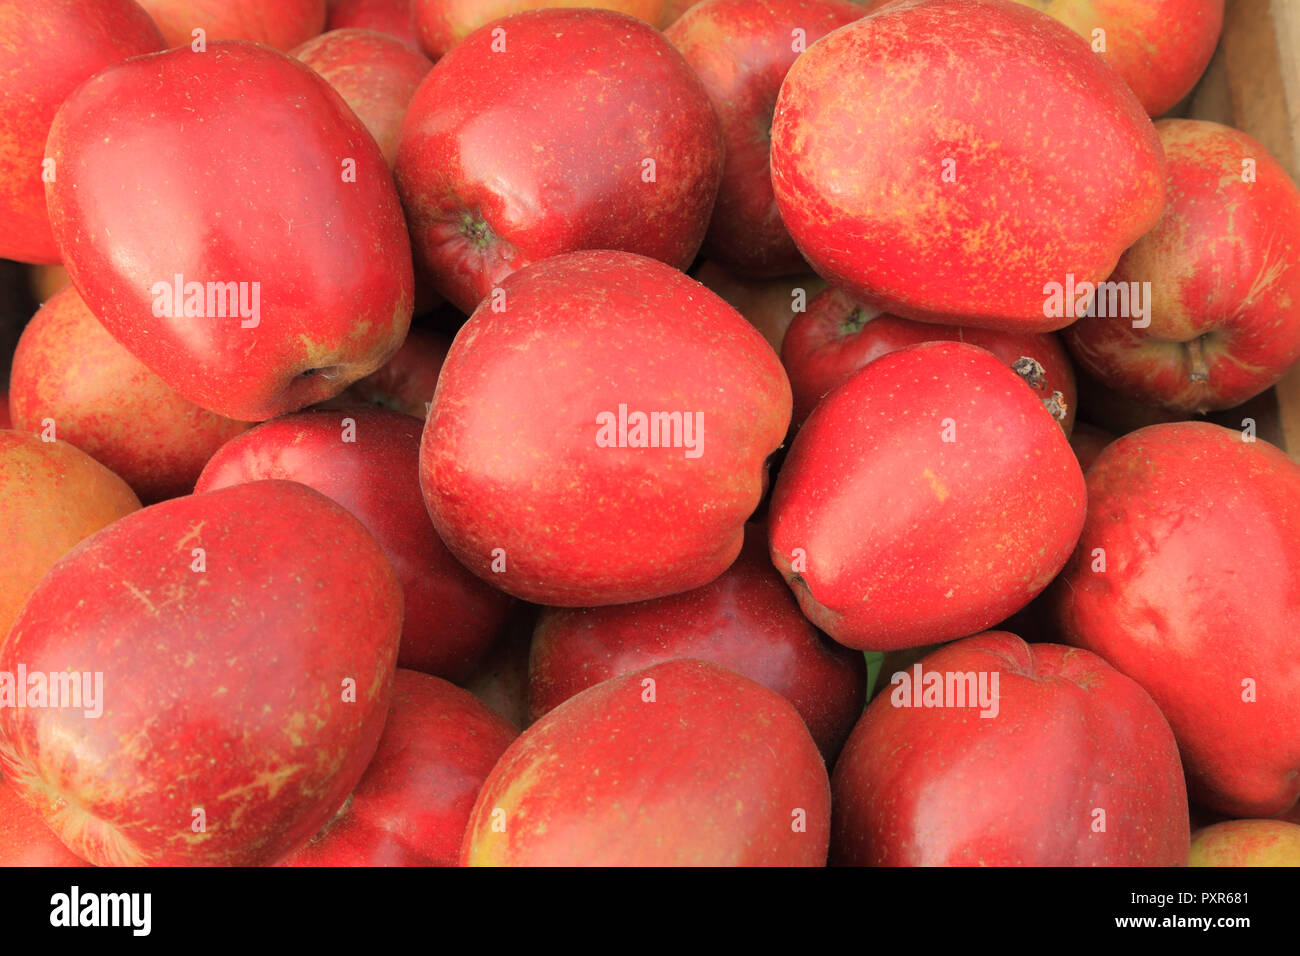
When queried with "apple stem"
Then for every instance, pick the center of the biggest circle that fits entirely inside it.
(1196, 357)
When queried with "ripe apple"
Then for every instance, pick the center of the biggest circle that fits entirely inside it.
(283, 24)
(542, 466)
(70, 372)
(741, 50)
(295, 278)
(442, 24)
(1224, 271)
(46, 50)
(994, 752)
(242, 643)
(946, 161)
(368, 460)
(746, 620)
(837, 335)
(413, 803)
(929, 497)
(1247, 843)
(1159, 47)
(25, 840)
(769, 305)
(393, 17)
(1088, 443)
(1185, 578)
(682, 764)
(617, 147)
(51, 496)
(374, 73)
(406, 382)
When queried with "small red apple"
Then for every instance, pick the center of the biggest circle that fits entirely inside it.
(741, 50)
(413, 803)
(368, 460)
(604, 437)
(236, 653)
(836, 336)
(746, 620)
(616, 147)
(994, 752)
(70, 374)
(948, 160)
(769, 305)
(1223, 267)
(1247, 843)
(1187, 579)
(282, 24)
(393, 17)
(376, 75)
(929, 497)
(682, 764)
(47, 49)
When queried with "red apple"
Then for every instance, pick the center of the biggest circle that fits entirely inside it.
(1185, 578)
(374, 73)
(617, 147)
(994, 752)
(393, 17)
(368, 460)
(1159, 47)
(406, 382)
(25, 840)
(1223, 268)
(1088, 443)
(683, 764)
(242, 645)
(413, 803)
(282, 24)
(99, 397)
(929, 497)
(444, 23)
(542, 466)
(746, 620)
(313, 253)
(47, 48)
(836, 336)
(51, 497)
(946, 161)
(1247, 843)
(769, 305)
(741, 50)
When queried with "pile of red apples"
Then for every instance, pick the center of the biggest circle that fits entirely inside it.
(484, 432)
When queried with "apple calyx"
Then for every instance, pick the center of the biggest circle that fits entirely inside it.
(1035, 376)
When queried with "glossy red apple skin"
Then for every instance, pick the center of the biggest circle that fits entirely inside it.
(905, 538)
(1224, 268)
(137, 203)
(712, 772)
(52, 495)
(741, 50)
(282, 24)
(406, 382)
(1071, 735)
(1035, 126)
(46, 52)
(376, 75)
(1159, 47)
(1247, 843)
(25, 840)
(451, 617)
(106, 402)
(1201, 537)
(770, 305)
(393, 17)
(836, 336)
(490, 186)
(413, 803)
(511, 461)
(442, 24)
(747, 620)
(246, 662)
